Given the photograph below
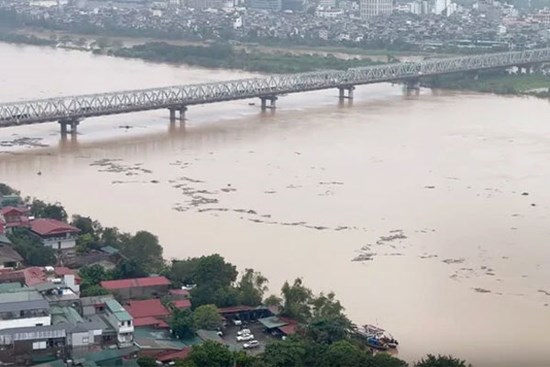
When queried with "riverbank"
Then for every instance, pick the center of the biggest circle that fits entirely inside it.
(253, 58)
(499, 82)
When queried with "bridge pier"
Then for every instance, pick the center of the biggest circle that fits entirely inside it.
(412, 84)
(272, 102)
(342, 92)
(73, 123)
(181, 110)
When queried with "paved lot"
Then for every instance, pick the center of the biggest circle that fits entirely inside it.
(257, 329)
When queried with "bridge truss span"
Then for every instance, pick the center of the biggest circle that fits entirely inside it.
(176, 97)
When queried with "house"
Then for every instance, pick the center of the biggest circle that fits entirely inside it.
(20, 346)
(121, 321)
(24, 308)
(9, 258)
(83, 334)
(10, 200)
(14, 217)
(148, 287)
(150, 312)
(54, 233)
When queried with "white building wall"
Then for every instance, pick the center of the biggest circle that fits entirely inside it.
(59, 243)
(28, 322)
(373, 8)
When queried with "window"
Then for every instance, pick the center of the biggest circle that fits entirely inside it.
(39, 345)
(85, 340)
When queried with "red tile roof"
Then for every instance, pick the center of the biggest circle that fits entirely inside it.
(11, 210)
(235, 309)
(46, 227)
(289, 329)
(147, 308)
(150, 321)
(135, 282)
(184, 303)
(170, 356)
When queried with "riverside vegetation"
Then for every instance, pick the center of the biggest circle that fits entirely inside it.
(325, 337)
(229, 57)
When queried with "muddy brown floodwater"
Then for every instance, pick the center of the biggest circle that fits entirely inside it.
(427, 215)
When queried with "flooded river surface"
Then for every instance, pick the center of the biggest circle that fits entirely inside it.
(427, 214)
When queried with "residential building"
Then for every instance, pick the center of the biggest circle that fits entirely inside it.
(55, 234)
(20, 346)
(272, 5)
(10, 200)
(148, 287)
(14, 217)
(24, 308)
(150, 312)
(325, 4)
(121, 321)
(373, 8)
(204, 4)
(9, 258)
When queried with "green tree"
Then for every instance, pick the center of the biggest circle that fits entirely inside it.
(40, 209)
(128, 268)
(342, 354)
(243, 359)
(287, 353)
(93, 290)
(440, 361)
(34, 253)
(146, 361)
(93, 275)
(274, 301)
(385, 360)
(328, 323)
(182, 272)
(210, 354)
(6, 190)
(182, 324)
(110, 236)
(87, 226)
(207, 317)
(252, 287)
(213, 271)
(296, 300)
(144, 249)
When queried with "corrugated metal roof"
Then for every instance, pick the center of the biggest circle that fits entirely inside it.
(117, 310)
(20, 301)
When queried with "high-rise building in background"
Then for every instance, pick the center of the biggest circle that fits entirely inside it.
(273, 5)
(373, 8)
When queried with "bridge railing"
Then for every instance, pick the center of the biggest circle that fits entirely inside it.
(75, 107)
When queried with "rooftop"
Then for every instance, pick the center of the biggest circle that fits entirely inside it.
(47, 227)
(183, 303)
(135, 282)
(147, 308)
(7, 253)
(272, 322)
(117, 310)
(38, 304)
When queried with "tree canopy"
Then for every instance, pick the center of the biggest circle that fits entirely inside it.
(207, 317)
(252, 287)
(182, 324)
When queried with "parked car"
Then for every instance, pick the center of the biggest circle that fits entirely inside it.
(245, 337)
(237, 322)
(251, 344)
(244, 331)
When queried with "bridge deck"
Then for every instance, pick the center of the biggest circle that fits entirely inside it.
(77, 107)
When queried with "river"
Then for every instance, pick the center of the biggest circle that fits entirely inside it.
(442, 196)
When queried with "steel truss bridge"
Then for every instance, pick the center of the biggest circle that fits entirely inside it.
(70, 110)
